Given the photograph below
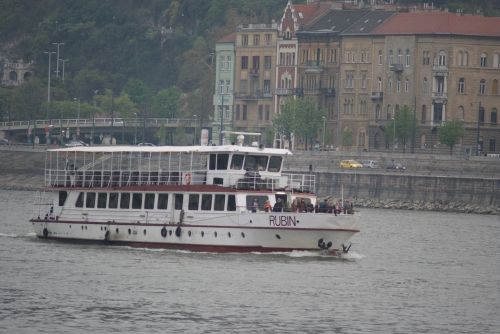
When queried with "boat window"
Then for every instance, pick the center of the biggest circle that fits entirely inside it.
(113, 200)
(137, 201)
(125, 201)
(102, 198)
(213, 160)
(222, 161)
(62, 197)
(219, 202)
(149, 201)
(275, 163)
(90, 200)
(79, 200)
(206, 202)
(194, 202)
(260, 200)
(237, 161)
(231, 203)
(256, 162)
(179, 198)
(162, 201)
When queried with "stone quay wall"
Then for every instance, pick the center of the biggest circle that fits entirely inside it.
(441, 183)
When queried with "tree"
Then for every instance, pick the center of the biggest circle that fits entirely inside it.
(166, 103)
(301, 117)
(347, 137)
(405, 124)
(450, 132)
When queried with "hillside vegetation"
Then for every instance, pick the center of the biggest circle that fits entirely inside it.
(152, 57)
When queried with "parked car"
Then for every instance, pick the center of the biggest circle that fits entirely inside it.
(369, 164)
(4, 141)
(396, 166)
(350, 164)
(75, 143)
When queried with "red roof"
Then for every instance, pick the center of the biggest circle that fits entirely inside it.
(440, 23)
(309, 12)
(231, 38)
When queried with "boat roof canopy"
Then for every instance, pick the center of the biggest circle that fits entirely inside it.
(175, 149)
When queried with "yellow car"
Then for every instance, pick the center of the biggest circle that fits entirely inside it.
(350, 164)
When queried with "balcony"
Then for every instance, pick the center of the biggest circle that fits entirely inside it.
(396, 67)
(313, 66)
(440, 70)
(283, 91)
(377, 95)
(254, 72)
(257, 95)
(440, 97)
(328, 92)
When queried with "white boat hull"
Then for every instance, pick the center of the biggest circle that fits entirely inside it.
(261, 232)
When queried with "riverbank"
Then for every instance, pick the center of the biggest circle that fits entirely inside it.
(412, 190)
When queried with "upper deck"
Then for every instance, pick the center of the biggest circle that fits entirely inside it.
(232, 166)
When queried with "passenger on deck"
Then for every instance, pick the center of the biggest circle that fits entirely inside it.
(267, 206)
(294, 205)
(255, 205)
(302, 206)
(278, 206)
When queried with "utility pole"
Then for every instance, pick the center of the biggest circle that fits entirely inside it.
(57, 64)
(221, 135)
(48, 84)
(478, 128)
(63, 61)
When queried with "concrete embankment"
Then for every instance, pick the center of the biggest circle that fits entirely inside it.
(429, 183)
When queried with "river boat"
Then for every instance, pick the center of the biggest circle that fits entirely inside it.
(196, 198)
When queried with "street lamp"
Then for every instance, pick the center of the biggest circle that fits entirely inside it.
(77, 119)
(324, 130)
(57, 64)
(195, 126)
(135, 134)
(394, 133)
(47, 128)
(93, 119)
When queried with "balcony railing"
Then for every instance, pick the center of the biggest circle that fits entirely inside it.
(254, 71)
(283, 91)
(377, 95)
(396, 67)
(440, 95)
(328, 92)
(440, 68)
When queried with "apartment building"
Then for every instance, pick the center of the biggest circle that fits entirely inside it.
(224, 87)
(443, 66)
(255, 66)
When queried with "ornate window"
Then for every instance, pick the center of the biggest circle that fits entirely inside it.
(483, 61)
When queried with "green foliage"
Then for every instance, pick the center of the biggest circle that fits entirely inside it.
(166, 103)
(450, 133)
(405, 125)
(347, 137)
(301, 117)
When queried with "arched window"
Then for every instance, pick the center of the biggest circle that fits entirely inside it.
(496, 60)
(483, 62)
(13, 75)
(408, 59)
(461, 86)
(482, 87)
(460, 58)
(494, 87)
(423, 115)
(380, 57)
(442, 58)
(465, 61)
(460, 113)
(400, 57)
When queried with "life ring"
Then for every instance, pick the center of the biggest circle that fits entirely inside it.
(45, 232)
(187, 178)
(164, 232)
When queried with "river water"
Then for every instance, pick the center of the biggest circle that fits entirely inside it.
(407, 272)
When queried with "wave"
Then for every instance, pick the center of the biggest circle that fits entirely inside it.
(13, 235)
